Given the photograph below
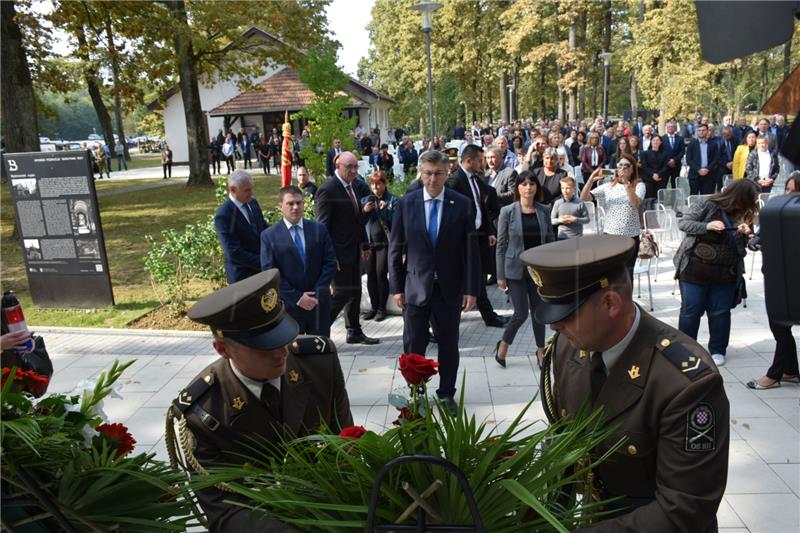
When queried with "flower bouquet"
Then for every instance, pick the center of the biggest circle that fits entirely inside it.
(64, 468)
(324, 482)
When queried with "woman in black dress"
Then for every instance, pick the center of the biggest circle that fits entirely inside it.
(655, 172)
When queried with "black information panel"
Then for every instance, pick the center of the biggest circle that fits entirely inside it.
(58, 220)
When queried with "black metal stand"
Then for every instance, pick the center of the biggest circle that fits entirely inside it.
(422, 526)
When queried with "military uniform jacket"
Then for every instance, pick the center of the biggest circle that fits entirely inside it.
(224, 416)
(669, 398)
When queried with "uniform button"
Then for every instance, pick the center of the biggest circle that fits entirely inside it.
(563, 413)
(632, 450)
(665, 343)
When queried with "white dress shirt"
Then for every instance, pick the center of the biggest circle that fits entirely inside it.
(764, 161)
(477, 200)
(289, 226)
(242, 208)
(428, 205)
(253, 385)
(611, 355)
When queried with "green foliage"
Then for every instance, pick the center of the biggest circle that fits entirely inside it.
(70, 116)
(325, 116)
(521, 483)
(94, 483)
(181, 256)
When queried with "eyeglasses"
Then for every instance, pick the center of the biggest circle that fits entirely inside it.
(351, 167)
(623, 165)
(431, 174)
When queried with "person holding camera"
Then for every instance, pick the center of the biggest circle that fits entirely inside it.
(379, 209)
(622, 196)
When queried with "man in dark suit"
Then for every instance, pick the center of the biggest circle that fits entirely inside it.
(239, 223)
(483, 200)
(434, 269)
(267, 386)
(727, 147)
(338, 207)
(675, 148)
(702, 156)
(332, 153)
(302, 250)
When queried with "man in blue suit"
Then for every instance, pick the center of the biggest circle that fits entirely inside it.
(239, 223)
(702, 156)
(674, 147)
(433, 228)
(330, 164)
(302, 250)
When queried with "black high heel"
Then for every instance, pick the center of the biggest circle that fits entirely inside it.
(501, 362)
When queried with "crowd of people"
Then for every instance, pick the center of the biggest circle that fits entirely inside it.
(502, 207)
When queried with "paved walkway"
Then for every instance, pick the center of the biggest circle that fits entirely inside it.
(763, 491)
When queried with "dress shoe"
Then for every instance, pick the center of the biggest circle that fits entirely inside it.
(369, 315)
(501, 362)
(497, 321)
(380, 316)
(448, 403)
(360, 338)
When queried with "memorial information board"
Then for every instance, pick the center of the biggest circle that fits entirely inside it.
(58, 220)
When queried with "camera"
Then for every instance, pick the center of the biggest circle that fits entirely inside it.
(372, 198)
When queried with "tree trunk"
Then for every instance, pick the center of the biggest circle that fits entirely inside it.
(582, 44)
(607, 48)
(503, 97)
(491, 101)
(787, 58)
(634, 83)
(572, 37)
(90, 76)
(112, 52)
(542, 91)
(199, 173)
(18, 99)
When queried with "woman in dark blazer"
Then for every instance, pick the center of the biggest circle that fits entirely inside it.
(594, 156)
(379, 209)
(655, 172)
(521, 225)
(762, 165)
(549, 175)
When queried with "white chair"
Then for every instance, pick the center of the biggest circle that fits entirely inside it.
(364, 168)
(682, 183)
(695, 198)
(727, 179)
(640, 269)
(601, 219)
(659, 222)
(671, 199)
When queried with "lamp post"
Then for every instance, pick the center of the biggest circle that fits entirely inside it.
(510, 87)
(606, 58)
(426, 9)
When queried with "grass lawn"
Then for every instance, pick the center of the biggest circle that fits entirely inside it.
(127, 218)
(105, 185)
(142, 161)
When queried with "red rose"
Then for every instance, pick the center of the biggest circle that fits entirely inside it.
(506, 455)
(118, 437)
(406, 414)
(353, 432)
(417, 368)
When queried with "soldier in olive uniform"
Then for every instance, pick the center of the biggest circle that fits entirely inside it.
(657, 383)
(268, 384)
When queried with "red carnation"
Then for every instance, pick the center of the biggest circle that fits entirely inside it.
(118, 438)
(353, 432)
(417, 368)
(506, 455)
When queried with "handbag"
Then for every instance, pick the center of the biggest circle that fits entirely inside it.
(716, 253)
(648, 247)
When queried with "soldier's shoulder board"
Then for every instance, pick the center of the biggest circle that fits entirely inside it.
(689, 363)
(193, 392)
(308, 344)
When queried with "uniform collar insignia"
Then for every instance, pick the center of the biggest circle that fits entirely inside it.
(238, 403)
(293, 376)
(634, 372)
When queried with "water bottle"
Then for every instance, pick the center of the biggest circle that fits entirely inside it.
(15, 320)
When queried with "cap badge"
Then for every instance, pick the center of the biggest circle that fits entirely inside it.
(293, 376)
(238, 403)
(537, 279)
(583, 354)
(634, 372)
(269, 300)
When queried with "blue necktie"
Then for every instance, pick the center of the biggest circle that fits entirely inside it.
(299, 244)
(433, 222)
